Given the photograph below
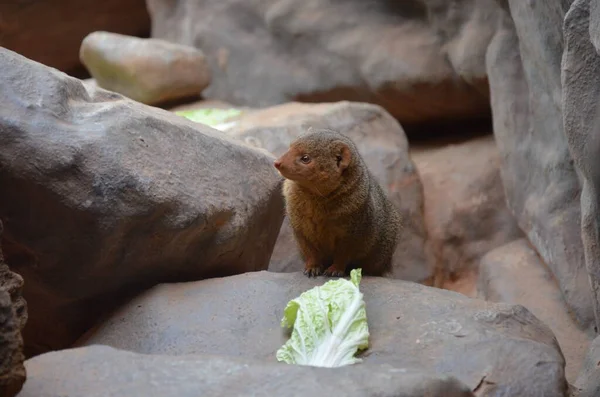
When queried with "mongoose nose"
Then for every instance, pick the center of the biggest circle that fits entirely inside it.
(277, 164)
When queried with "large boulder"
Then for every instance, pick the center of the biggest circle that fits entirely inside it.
(515, 274)
(150, 71)
(102, 371)
(382, 143)
(50, 32)
(581, 95)
(465, 207)
(13, 317)
(495, 349)
(422, 60)
(541, 184)
(103, 196)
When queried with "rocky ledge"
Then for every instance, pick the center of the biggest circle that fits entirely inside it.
(493, 348)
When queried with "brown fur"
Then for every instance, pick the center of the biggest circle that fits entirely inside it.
(340, 215)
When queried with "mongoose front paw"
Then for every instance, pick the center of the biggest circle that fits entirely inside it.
(333, 271)
(312, 271)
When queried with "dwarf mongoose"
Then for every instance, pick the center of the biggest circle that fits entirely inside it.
(340, 216)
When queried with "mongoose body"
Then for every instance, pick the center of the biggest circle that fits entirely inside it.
(340, 216)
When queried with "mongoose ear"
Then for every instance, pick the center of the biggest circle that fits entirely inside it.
(344, 157)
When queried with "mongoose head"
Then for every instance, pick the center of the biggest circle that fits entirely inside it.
(318, 160)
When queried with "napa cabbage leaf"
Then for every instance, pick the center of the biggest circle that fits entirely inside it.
(329, 325)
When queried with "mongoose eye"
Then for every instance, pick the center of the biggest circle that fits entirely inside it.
(305, 159)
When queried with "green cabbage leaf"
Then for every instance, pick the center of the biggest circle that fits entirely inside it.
(213, 117)
(329, 325)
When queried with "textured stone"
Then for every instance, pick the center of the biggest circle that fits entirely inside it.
(422, 60)
(540, 181)
(515, 274)
(588, 382)
(13, 317)
(104, 371)
(383, 145)
(495, 349)
(581, 95)
(465, 209)
(103, 196)
(150, 71)
(12, 371)
(50, 32)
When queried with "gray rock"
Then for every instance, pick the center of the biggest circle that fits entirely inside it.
(307, 53)
(540, 181)
(423, 60)
(588, 382)
(515, 274)
(12, 371)
(150, 71)
(103, 196)
(10, 281)
(13, 317)
(465, 207)
(382, 143)
(495, 349)
(581, 93)
(104, 371)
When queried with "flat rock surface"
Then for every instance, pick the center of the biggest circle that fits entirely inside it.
(104, 371)
(492, 348)
(103, 196)
(515, 274)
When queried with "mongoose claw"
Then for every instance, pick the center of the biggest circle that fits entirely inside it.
(312, 272)
(333, 272)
